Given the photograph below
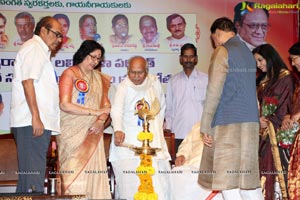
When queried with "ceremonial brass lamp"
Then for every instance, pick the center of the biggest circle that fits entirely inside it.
(144, 112)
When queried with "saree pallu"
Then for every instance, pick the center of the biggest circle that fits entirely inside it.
(273, 168)
(294, 166)
(81, 155)
(268, 170)
(294, 170)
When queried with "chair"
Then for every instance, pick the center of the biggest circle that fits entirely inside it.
(170, 140)
(8, 163)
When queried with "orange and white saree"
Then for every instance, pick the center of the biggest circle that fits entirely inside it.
(81, 155)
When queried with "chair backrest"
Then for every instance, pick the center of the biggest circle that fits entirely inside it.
(8, 160)
(170, 140)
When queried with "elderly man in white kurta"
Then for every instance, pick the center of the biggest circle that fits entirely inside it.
(138, 85)
(185, 174)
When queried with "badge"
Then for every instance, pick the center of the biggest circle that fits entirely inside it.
(81, 85)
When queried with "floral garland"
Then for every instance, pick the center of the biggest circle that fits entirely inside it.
(144, 172)
(145, 136)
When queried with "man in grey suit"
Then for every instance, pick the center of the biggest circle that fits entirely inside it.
(229, 121)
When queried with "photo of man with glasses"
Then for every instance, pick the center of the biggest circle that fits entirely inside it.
(252, 24)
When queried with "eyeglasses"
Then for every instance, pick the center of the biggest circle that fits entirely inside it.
(57, 34)
(139, 73)
(253, 26)
(95, 58)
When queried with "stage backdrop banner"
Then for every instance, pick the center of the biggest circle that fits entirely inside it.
(162, 56)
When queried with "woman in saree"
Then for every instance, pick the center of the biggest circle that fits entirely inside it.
(276, 86)
(288, 122)
(84, 109)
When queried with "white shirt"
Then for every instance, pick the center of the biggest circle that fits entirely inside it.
(175, 44)
(250, 46)
(124, 119)
(155, 40)
(33, 62)
(18, 41)
(185, 100)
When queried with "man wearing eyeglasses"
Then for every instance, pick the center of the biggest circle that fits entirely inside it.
(24, 23)
(34, 114)
(138, 85)
(252, 24)
(185, 95)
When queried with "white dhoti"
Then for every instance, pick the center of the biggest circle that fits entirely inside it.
(185, 185)
(128, 181)
(238, 194)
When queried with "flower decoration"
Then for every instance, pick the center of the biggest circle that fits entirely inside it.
(143, 196)
(285, 138)
(269, 105)
(145, 136)
(144, 172)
